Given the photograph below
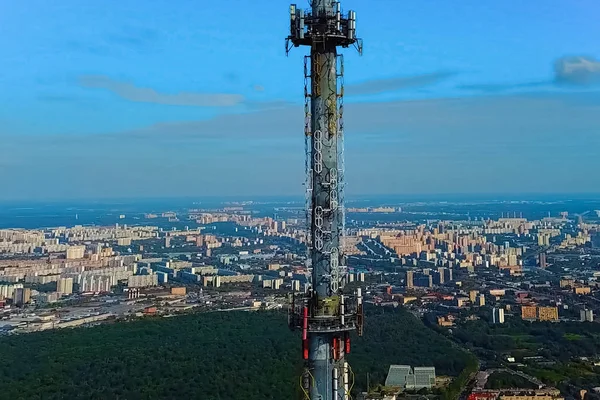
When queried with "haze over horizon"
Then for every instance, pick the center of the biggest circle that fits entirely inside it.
(144, 99)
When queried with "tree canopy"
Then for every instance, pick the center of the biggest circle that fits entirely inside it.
(213, 356)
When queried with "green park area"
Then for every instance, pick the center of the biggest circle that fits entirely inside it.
(212, 356)
(561, 354)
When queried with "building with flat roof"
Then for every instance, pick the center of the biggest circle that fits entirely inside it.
(498, 315)
(422, 377)
(548, 313)
(22, 296)
(397, 375)
(65, 286)
(529, 312)
(407, 377)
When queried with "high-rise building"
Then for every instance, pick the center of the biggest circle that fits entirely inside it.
(8, 291)
(75, 252)
(441, 272)
(277, 283)
(410, 276)
(64, 286)
(96, 283)
(498, 315)
(542, 260)
(136, 281)
(97, 248)
(441, 229)
(167, 241)
(481, 299)
(473, 295)
(124, 241)
(163, 277)
(423, 280)
(586, 315)
(22, 296)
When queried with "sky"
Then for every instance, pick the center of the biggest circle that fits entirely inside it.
(155, 98)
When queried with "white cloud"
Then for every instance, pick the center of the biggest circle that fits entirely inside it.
(578, 70)
(147, 95)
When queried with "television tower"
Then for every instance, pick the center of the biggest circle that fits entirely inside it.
(325, 314)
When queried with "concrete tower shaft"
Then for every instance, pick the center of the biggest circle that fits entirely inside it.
(325, 314)
(326, 210)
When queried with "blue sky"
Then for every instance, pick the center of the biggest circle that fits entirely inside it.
(151, 98)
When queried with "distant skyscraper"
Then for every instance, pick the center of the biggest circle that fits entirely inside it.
(22, 296)
(75, 252)
(65, 286)
(498, 315)
(441, 272)
(481, 300)
(296, 285)
(473, 295)
(542, 260)
(586, 315)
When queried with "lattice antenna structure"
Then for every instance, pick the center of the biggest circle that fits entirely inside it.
(325, 313)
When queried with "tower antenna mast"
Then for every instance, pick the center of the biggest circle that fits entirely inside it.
(325, 313)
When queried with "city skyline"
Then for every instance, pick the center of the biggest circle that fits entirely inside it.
(142, 99)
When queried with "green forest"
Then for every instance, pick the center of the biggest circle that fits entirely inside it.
(506, 380)
(212, 356)
(559, 354)
(554, 341)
